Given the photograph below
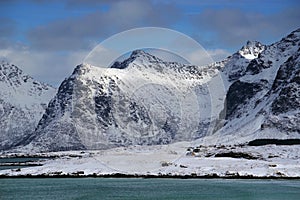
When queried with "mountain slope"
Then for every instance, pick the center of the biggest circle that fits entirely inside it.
(263, 98)
(22, 103)
(285, 108)
(145, 100)
(142, 100)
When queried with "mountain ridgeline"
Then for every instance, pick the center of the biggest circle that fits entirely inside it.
(147, 101)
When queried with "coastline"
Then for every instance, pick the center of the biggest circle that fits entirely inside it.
(205, 162)
(163, 176)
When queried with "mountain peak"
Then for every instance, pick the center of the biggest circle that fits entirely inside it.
(81, 69)
(136, 56)
(7, 68)
(138, 52)
(251, 50)
(13, 75)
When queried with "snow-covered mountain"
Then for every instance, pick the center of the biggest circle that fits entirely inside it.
(263, 98)
(22, 103)
(142, 100)
(145, 101)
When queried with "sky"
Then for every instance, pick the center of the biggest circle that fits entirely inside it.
(47, 39)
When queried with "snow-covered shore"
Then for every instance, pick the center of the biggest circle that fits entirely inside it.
(240, 161)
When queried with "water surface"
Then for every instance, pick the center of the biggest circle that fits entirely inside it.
(135, 188)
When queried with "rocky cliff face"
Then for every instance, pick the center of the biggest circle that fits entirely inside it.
(285, 108)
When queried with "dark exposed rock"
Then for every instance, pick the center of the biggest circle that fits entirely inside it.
(261, 142)
(237, 95)
(287, 84)
(232, 154)
(256, 66)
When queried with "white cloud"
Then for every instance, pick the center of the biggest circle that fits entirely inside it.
(80, 32)
(48, 67)
(232, 27)
(207, 56)
(218, 54)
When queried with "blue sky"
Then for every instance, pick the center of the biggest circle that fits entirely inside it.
(48, 38)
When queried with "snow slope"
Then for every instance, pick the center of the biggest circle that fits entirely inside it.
(22, 103)
(143, 101)
(172, 160)
(146, 101)
(263, 102)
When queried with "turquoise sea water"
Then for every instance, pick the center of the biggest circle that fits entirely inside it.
(135, 188)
